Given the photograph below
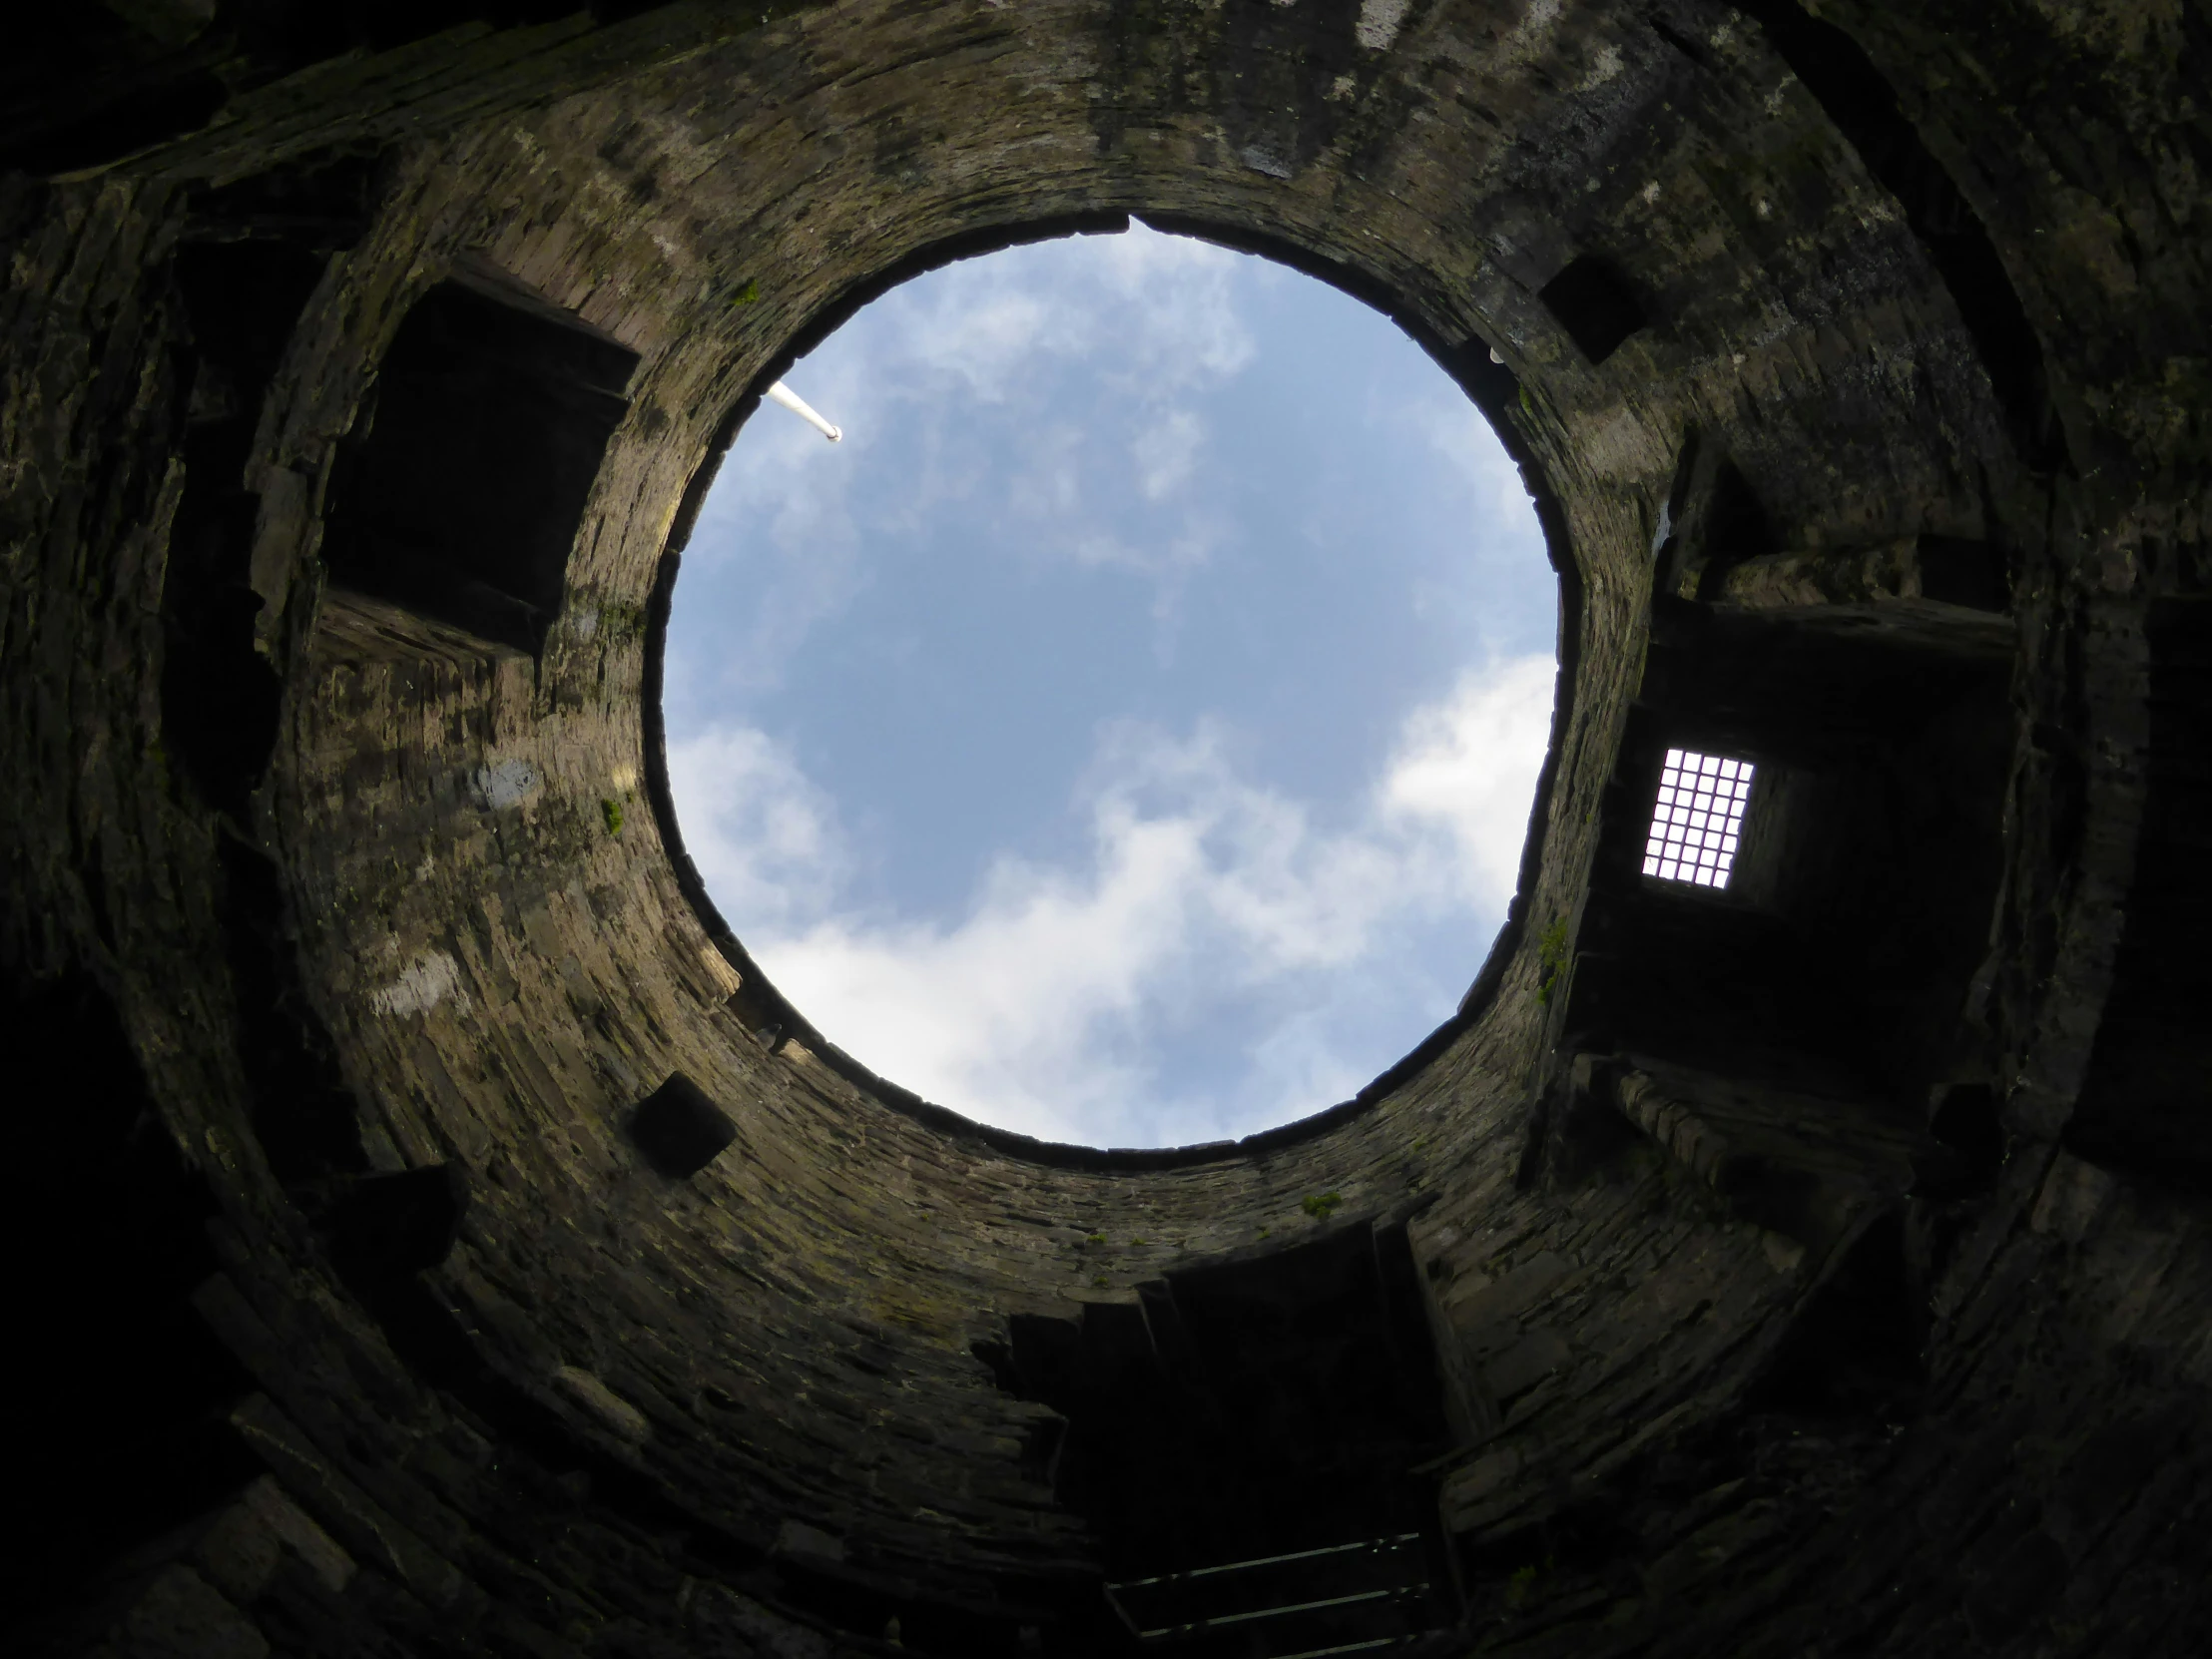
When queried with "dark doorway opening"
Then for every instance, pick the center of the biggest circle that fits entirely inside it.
(1266, 1416)
(461, 498)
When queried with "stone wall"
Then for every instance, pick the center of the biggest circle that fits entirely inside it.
(1740, 1355)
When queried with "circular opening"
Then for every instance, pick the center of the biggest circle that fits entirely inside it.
(1125, 734)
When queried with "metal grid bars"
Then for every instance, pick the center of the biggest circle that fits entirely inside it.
(1699, 815)
(1311, 1604)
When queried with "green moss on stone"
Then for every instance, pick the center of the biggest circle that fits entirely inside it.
(1551, 955)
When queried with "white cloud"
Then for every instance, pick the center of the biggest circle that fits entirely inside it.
(1046, 1005)
(986, 331)
(1152, 317)
(1166, 453)
(764, 838)
(1047, 486)
(1176, 314)
(1456, 429)
(1159, 312)
(1469, 765)
(1054, 399)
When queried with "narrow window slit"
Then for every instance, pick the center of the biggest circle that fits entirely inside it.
(1698, 817)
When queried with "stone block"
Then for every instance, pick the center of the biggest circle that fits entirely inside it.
(179, 1615)
(798, 1538)
(240, 1547)
(1527, 1362)
(678, 1128)
(617, 1415)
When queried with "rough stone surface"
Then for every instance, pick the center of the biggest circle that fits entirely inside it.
(1822, 1271)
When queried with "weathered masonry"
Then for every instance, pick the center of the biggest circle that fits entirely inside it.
(431, 1235)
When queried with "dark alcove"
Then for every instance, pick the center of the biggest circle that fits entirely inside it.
(460, 498)
(1246, 1440)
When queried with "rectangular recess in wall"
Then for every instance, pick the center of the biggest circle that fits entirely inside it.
(1595, 304)
(1698, 820)
(462, 496)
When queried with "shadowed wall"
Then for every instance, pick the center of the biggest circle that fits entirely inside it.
(1818, 1270)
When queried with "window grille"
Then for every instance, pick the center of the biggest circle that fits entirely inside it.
(1358, 1597)
(1698, 819)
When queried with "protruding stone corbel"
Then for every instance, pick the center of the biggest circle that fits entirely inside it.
(678, 1128)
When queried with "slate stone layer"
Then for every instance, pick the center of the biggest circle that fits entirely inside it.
(1819, 1269)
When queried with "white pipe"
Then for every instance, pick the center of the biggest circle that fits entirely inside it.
(781, 393)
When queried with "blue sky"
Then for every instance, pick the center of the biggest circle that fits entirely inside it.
(1126, 735)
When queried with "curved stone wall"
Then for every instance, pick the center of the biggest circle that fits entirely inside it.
(1712, 1242)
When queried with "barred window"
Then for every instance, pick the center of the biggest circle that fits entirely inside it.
(1698, 817)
